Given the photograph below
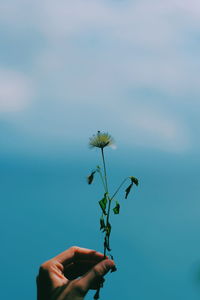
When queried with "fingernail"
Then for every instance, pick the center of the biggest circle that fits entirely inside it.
(109, 265)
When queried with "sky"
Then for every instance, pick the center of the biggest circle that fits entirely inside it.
(130, 68)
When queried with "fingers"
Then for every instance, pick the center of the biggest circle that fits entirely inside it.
(77, 254)
(69, 265)
(94, 275)
(76, 269)
(97, 284)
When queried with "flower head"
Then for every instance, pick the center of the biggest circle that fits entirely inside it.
(101, 140)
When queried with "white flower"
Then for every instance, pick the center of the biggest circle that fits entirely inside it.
(101, 140)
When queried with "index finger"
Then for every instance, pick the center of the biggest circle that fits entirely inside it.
(77, 254)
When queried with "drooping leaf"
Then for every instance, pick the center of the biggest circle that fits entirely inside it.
(116, 209)
(102, 223)
(91, 177)
(103, 203)
(127, 191)
(134, 180)
(108, 229)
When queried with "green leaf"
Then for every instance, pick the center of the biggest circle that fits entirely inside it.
(108, 229)
(103, 203)
(134, 180)
(91, 177)
(102, 223)
(128, 190)
(116, 208)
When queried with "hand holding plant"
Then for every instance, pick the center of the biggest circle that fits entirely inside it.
(102, 140)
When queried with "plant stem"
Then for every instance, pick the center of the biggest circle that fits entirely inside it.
(119, 187)
(104, 167)
(96, 296)
(109, 199)
(107, 222)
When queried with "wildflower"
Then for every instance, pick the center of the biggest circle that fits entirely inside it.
(101, 140)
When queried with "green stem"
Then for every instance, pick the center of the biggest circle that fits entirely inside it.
(107, 222)
(104, 167)
(109, 204)
(96, 296)
(115, 193)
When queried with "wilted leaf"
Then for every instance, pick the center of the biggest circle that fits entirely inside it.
(102, 223)
(108, 229)
(103, 203)
(128, 190)
(116, 208)
(91, 177)
(134, 180)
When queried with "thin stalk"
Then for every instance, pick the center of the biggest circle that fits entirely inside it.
(104, 167)
(106, 183)
(96, 296)
(115, 193)
(107, 222)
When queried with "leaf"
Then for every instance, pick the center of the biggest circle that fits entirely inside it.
(128, 190)
(134, 180)
(116, 208)
(102, 223)
(91, 177)
(108, 229)
(103, 203)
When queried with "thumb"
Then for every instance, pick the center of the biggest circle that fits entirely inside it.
(96, 273)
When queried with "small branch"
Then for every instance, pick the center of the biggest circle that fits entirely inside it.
(115, 193)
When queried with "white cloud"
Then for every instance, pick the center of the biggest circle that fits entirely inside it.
(139, 44)
(143, 42)
(15, 91)
(157, 129)
(146, 39)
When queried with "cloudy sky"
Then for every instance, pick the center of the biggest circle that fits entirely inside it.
(70, 68)
(126, 66)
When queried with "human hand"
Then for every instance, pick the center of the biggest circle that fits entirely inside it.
(71, 274)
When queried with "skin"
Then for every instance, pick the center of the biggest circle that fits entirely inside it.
(71, 274)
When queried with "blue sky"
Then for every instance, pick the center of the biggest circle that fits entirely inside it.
(68, 69)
